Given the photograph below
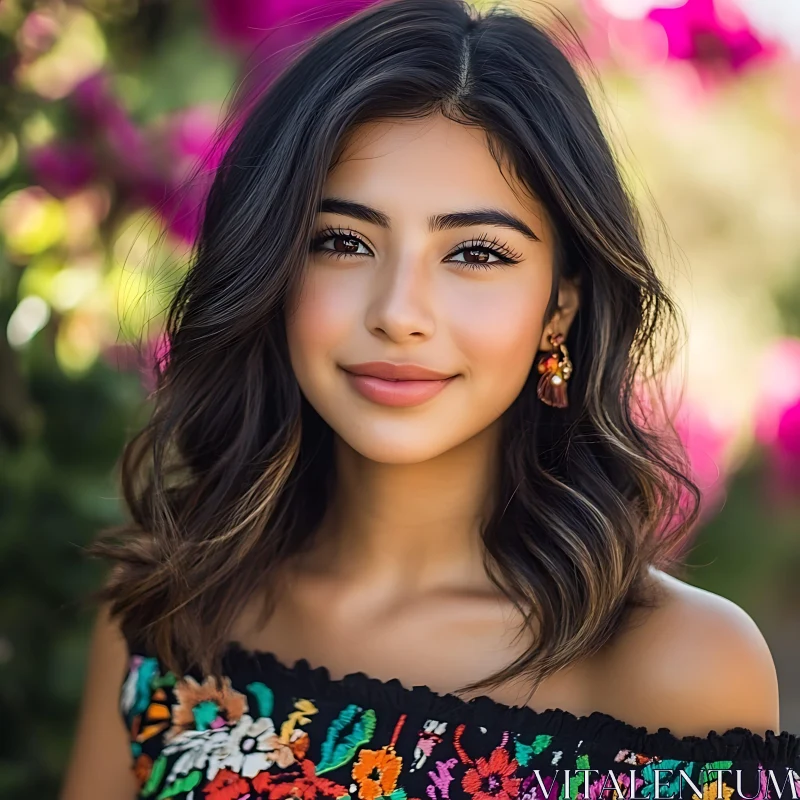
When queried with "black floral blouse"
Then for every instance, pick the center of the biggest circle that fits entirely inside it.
(272, 731)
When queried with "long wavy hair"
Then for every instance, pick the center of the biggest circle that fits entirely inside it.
(233, 473)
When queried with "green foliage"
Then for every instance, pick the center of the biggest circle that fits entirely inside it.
(57, 490)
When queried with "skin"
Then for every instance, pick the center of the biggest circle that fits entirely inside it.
(395, 585)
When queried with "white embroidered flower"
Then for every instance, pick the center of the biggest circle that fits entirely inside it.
(253, 746)
(199, 750)
(128, 694)
(248, 748)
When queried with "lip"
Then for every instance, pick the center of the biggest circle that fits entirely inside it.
(388, 371)
(398, 385)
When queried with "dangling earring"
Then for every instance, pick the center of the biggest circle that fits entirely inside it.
(555, 369)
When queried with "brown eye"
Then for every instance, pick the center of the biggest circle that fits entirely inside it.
(483, 254)
(476, 255)
(340, 244)
(345, 244)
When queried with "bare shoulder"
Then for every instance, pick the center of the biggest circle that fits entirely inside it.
(100, 763)
(695, 663)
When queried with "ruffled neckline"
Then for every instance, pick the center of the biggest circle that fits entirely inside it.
(734, 744)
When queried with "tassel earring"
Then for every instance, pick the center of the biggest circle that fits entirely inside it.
(555, 369)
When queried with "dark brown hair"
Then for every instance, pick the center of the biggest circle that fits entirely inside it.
(232, 474)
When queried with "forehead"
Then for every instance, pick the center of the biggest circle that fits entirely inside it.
(426, 166)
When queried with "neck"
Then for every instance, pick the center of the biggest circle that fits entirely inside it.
(415, 525)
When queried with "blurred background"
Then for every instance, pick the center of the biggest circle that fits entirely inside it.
(108, 112)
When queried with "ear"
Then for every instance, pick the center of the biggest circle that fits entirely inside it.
(561, 320)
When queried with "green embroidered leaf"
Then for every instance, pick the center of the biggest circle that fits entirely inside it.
(338, 747)
(184, 784)
(709, 776)
(397, 794)
(576, 782)
(168, 679)
(204, 714)
(156, 776)
(524, 752)
(669, 785)
(264, 697)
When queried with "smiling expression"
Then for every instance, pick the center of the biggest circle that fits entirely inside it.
(424, 254)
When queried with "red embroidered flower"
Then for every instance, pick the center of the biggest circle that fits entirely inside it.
(227, 785)
(142, 768)
(300, 782)
(492, 779)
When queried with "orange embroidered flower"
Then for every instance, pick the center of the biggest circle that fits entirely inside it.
(155, 718)
(206, 705)
(376, 773)
(492, 779)
(299, 744)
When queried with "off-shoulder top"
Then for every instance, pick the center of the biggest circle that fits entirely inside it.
(271, 731)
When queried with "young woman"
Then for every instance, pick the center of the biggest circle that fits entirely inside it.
(400, 522)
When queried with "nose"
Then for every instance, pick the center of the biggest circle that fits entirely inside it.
(401, 305)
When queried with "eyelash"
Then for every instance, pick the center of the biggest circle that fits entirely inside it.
(505, 255)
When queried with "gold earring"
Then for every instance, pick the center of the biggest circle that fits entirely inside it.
(555, 369)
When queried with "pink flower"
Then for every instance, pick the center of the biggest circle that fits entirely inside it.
(278, 27)
(247, 22)
(122, 149)
(713, 34)
(93, 101)
(786, 455)
(62, 167)
(189, 152)
(37, 34)
(779, 378)
(706, 443)
(777, 422)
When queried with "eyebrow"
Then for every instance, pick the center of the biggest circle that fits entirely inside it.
(440, 222)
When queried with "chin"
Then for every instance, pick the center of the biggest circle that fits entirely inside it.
(413, 445)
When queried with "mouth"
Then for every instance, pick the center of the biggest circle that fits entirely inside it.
(398, 385)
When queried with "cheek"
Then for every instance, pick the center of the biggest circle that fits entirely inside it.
(499, 333)
(324, 310)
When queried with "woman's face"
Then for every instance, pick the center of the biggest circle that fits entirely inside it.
(424, 255)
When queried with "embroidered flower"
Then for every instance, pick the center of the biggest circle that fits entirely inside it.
(246, 749)
(376, 772)
(531, 790)
(253, 746)
(298, 743)
(492, 779)
(441, 780)
(300, 782)
(155, 718)
(710, 791)
(204, 706)
(430, 735)
(135, 694)
(198, 750)
(603, 788)
(227, 785)
(632, 757)
(142, 768)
